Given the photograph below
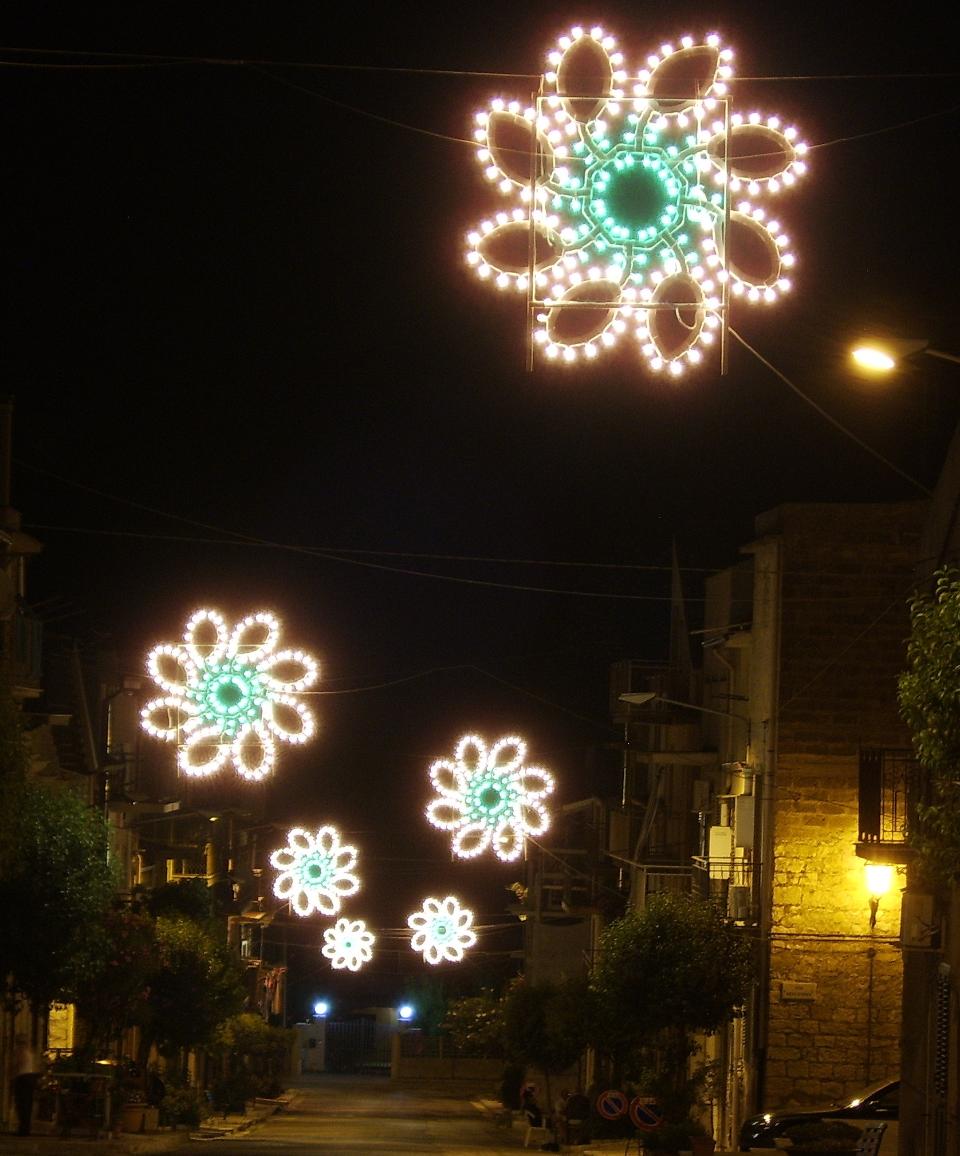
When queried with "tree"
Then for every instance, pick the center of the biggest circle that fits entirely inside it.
(195, 985)
(475, 1023)
(547, 1025)
(116, 995)
(56, 885)
(929, 692)
(664, 973)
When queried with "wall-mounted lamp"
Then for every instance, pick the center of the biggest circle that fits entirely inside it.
(879, 882)
(321, 1008)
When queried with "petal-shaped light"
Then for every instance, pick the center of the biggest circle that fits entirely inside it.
(536, 782)
(507, 753)
(206, 637)
(254, 753)
(677, 318)
(348, 944)
(164, 717)
(519, 151)
(289, 720)
(203, 753)
(289, 670)
(254, 637)
(507, 841)
(448, 778)
(536, 818)
(752, 152)
(583, 313)
(171, 668)
(751, 252)
(472, 839)
(682, 78)
(445, 813)
(584, 79)
(471, 752)
(507, 247)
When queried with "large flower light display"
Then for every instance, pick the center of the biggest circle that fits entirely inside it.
(316, 871)
(348, 944)
(442, 929)
(635, 204)
(229, 694)
(489, 798)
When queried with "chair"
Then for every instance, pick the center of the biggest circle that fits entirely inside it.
(538, 1134)
(870, 1140)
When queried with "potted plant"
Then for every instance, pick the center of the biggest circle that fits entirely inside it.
(823, 1136)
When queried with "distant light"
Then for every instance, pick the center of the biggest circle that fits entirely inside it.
(405, 1012)
(321, 1007)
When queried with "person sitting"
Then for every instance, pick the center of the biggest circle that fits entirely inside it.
(528, 1102)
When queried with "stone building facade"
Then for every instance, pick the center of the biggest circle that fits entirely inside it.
(810, 634)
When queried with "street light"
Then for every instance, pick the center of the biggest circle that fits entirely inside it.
(641, 699)
(882, 354)
(879, 881)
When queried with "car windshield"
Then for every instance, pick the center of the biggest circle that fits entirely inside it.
(886, 1092)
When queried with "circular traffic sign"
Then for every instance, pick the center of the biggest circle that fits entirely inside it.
(644, 1113)
(611, 1104)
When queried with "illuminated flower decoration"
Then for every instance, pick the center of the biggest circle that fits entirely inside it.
(316, 871)
(348, 944)
(229, 695)
(624, 200)
(442, 929)
(489, 798)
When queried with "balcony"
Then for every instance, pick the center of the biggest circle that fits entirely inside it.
(891, 784)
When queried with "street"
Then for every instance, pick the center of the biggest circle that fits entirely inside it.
(344, 1114)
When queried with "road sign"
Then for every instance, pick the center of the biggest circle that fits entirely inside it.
(644, 1113)
(611, 1104)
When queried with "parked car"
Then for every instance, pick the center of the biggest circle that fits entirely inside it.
(876, 1104)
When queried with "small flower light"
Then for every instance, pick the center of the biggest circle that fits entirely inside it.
(442, 930)
(348, 944)
(316, 871)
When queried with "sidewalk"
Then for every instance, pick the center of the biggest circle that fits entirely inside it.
(139, 1143)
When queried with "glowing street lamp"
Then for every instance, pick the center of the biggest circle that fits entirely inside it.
(879, 878)
(883, 354)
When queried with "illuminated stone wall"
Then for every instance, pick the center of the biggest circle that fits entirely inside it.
(835, 985)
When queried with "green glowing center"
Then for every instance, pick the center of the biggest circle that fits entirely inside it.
(635, 197)
(315, 872)
(489, 797)
(440, 931)
(230, 695)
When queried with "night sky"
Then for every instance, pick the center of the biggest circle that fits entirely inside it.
(251, 367)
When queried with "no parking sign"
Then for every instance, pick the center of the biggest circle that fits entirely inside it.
(644, 1113)
(611, 1104)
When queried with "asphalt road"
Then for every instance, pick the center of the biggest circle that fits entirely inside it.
(347, 1114)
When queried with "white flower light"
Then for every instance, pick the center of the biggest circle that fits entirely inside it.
(489, 798)
(316, 871)
(442, 930)
(348, 944)
(229, 694)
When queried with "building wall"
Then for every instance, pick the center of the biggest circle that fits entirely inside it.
(835, 984)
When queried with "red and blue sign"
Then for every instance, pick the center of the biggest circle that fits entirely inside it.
(644, 1113)
(611, 1104)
